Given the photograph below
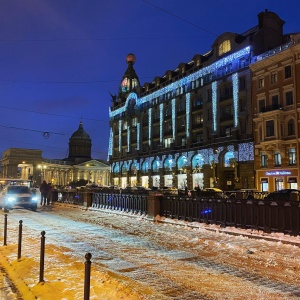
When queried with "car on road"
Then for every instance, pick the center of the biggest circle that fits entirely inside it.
(13, 196)
(283, 195)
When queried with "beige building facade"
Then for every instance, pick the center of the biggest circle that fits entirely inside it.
(276, 107)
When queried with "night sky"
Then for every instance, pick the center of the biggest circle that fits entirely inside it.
(60, 59)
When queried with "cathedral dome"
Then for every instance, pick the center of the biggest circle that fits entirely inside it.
(80, 145)
(80, 134)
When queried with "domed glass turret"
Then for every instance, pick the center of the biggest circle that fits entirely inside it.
(80, 145)
(130, 80)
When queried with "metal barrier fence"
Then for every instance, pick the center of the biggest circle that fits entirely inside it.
(123, 202)
(268, 216)
(71, 197)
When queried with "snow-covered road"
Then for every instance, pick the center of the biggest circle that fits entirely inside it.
(158, 260)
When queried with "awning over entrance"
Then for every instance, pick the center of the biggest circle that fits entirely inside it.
(292, 180)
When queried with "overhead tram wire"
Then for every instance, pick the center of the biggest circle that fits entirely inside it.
(46, 134)
(51, 114)
(180, 18)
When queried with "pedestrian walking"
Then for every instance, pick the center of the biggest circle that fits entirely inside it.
(44, 192)
(49, 193)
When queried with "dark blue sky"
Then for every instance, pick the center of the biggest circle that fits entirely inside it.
(60, 59)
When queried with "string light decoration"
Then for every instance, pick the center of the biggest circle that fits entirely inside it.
(120, 135)
(128, 139)
(150, 125)
(188, 112)
(182, 82)
(235, 87)
(173, 117)
(138, 134)
(110, 145)
(161, 116)
(214, 105)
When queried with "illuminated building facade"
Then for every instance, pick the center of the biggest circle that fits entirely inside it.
(192, 126)
(276, 107)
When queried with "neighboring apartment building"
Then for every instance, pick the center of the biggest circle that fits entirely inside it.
(276, 107)
(194, 125)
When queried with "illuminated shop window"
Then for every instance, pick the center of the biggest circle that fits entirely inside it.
(227, 157)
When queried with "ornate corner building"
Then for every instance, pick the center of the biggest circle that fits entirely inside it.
(193, 126)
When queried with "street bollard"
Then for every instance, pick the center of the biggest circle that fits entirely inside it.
(5, 229)
(87, 275)
(42, 257)
(20, 239)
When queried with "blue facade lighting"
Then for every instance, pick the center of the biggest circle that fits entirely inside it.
(214, 105)
(235, 86)
(188, 112)
(120, 135)
(182, 82)
(150, 124)
(161, 116)
(173, 118)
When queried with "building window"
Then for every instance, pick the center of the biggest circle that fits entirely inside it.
(277, 158)
(125, 125)
(273, 77)
(181, 106)
(209, 115)
(183, 141)
(209, 95)
(243, 126)
(275, 101)
(261, 83)
(168, 110)
(269, 128)
(264, 160)
(199, 137)
(242, 83)
(291, 127)
(289, 98)
(224, 47)
(228, 131)
(243, 104)
(197, 102)
(292, 156)
(261, 105)
(198, 119)
(167, 142)
(134, 122)
(288, 72)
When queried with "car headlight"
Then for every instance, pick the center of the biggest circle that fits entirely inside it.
(34, 198)
(11, 199)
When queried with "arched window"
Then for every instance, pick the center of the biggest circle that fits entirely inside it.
(168, 163)
(197, 161)
(145, 167)
(124, 168)
(227, 157)
(182, 162)
(155, 166)
(116, 168)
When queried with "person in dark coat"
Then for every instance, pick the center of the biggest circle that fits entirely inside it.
(44, 192)
(49, 193)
